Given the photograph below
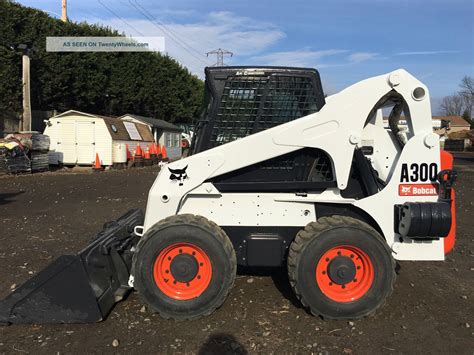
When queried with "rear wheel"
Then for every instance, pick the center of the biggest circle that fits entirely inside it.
(184, 267)
(341, 268)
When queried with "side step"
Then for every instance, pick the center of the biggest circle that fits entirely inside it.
(80, 288)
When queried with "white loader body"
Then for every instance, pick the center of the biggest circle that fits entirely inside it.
(338, 128)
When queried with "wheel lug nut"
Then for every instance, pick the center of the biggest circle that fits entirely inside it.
(201, 264)
(187, 284)
(167, 271)
(169, 257)
(180, 251)
(352, 256)
(199, 277)
(330, 284)
(324, 272)
(174, 282)
(358, 267)
(327, 259)
(194, 253)
(343, 286)
(339, 253)
(355, 280)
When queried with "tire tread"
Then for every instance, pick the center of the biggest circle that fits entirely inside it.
(312, 231)
(214, 229)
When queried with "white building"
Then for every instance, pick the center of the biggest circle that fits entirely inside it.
(77, 136)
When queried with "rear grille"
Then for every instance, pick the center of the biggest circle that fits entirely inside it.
(305, 165)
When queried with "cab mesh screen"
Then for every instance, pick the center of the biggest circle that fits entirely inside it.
(250, 104)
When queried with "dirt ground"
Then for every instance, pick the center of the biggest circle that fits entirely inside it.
(45, 215)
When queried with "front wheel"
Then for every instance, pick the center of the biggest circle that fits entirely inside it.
(341, 268)
(184, 267)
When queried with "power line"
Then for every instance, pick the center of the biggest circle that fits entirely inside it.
(120, 18)
(171, 32)
(220, 56)
(163, 28)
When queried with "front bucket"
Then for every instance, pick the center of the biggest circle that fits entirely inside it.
(80, 288)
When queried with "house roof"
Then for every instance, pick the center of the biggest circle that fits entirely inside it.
(455, 120)
(68, 112)
(464, 134)
(119, 131)
(154, 122)
(121, 134)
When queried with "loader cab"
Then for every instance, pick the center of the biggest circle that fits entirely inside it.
(240, 101)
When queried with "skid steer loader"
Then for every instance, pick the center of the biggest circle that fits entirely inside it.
(279, 176)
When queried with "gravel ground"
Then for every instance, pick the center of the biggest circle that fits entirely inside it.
(46, 215)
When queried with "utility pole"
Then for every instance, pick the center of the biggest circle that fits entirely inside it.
(64, 11)
(220, 56)
(25, 123)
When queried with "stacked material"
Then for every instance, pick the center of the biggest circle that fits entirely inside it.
(13, 158)
(39, 161)
(24, 152)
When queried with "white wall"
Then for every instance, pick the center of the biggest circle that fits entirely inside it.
(103, 143)
(174, 152)
(66, 141)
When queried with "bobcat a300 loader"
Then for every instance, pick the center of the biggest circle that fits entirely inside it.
(278, 176)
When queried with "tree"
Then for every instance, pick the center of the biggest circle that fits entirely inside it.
(467, 93)
(108, 83)
(452, 105)
(462, 102)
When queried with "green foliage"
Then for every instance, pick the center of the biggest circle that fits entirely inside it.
(148, 84)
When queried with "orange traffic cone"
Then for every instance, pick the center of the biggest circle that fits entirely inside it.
(153, 156)
(129, 155)
(147, 161)
(138, 151)
(164, 154)
(97, 166)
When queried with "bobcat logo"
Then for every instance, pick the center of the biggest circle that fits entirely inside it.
(406, 189)
(179, 175)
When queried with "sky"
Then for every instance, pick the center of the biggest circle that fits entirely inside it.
(346, 40)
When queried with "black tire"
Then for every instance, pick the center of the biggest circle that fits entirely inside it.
(318, 238)
(202, 233)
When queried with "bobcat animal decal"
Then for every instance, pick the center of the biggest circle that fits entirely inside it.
(179, 175)
(405, 189)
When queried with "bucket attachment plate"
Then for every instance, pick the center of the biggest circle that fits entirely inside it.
(80, 288)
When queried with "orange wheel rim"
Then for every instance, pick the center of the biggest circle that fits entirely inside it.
(344, 273)
(182, 271)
